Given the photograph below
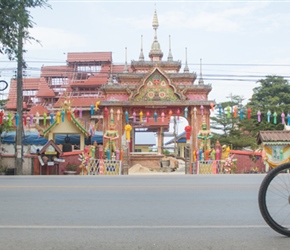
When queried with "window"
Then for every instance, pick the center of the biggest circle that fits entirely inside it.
(89, 69)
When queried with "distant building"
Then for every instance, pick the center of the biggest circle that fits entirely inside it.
(276, 148)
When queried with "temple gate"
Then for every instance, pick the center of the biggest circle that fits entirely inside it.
(148, 93)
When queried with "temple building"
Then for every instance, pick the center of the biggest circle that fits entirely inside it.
(144, 94)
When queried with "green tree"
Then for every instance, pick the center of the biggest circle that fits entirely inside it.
(14, 13)
(273, 95)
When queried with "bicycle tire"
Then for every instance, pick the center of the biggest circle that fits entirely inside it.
(5, 85)
(274, 199)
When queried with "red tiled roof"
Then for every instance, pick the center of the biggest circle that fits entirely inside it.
(31, 83)
(55, 71)
(44, 90)
(89, 57)
(91, 81)
(12, 97)
(40, 109)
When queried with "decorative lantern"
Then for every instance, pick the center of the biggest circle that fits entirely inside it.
(170, 113)
(235, 111)
(9, 119)
(259, 115)
(268, 115)
(58, 117)
(92, 109)
(44, 118)
(51, 118)
(126, 116)
(134, 116)
(128, 129)
(155, 116)
(97, 106)
(147, 116)
(162, 116)
(283, 118)
(242, 114)
(212, 106)
(141, 116)
(275, 117)
(17, 119)
(228, 108)
(62, 113)
(1, 116)
(220, 109)
(249, 113)
(188, 130)
(69, 115)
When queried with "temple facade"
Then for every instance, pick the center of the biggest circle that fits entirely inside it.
(144, 94)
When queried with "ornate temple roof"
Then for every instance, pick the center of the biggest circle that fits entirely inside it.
(91, 76)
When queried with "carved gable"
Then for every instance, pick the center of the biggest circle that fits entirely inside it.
(156, 87)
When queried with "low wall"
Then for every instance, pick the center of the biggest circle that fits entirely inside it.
(148, 160)
(248, 161)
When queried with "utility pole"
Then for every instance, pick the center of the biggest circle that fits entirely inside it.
(19, 128)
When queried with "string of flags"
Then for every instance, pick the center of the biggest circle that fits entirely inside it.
(247, 113)
(228, 111)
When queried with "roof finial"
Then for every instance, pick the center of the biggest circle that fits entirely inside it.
(141, 57)
(170, 57)
(125, 66)
(186, 69)
(200, 81)
(155, 53)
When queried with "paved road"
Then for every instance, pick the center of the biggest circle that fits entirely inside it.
(169, 212)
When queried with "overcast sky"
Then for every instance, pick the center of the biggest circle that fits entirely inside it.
(240, 40)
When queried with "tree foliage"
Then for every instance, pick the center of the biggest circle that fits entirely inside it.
(15, 14)
(272, 95)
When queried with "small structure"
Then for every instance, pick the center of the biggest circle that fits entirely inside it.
(276, 148)
(49, 157)
(65, 122)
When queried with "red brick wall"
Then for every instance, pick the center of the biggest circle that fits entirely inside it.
(244, 162)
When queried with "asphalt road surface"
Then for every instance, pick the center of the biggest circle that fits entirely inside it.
(164, 211)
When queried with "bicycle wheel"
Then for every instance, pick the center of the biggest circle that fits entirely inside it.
(274, 199)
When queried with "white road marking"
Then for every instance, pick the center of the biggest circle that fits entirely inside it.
(132, 227)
